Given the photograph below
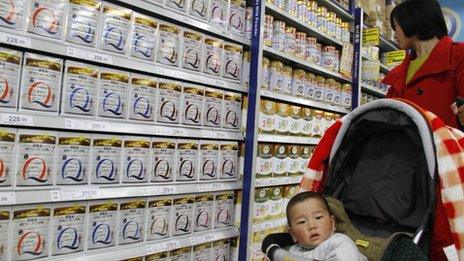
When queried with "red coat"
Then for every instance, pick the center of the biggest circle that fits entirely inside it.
(436, 84)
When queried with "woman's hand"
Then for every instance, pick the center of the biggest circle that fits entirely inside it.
(459, 112)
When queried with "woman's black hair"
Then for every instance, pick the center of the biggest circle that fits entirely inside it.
(421, 18)
(300, 197)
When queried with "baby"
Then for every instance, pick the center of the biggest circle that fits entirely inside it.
(312, 226)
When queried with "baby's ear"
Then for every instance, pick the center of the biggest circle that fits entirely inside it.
(289, 229)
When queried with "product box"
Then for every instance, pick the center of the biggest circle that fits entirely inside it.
(192, 105)
(8, 146)
(10, 62)
(40, 83)
(187, 160)
(234, 248)
(213, 56)
(113, 93)
(162, 256)
(236, 20)
(182, 215)
(163, 160)
(192, 50)
(115, 27)
(17, 17)
(31, 232)
(158, 218)
(35, 158)
(199, 9)
(276, 208)
(223, 209)
(169, 42)
(202, 252)
(132, 215)
(213, 115)
(202, 212)
(68, 228)
(232, 61)
(101, 224)
(72, 158)
(265, 160)
(178, 5)
(267, 117)
(142, 98)
(280, 160)
(79, 90)
(208, 160)
(83, 22)
(106, 159)
(218, 13)
(261, 205)
(181, 254)
(232, 110)
(135, 160)
(228, 160)
(293, 160)
(143, 37)
(168, 101)
(221, 249)
(46, 18)
(5, 225)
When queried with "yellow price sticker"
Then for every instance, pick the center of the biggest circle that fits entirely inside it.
(395, 57)
(371, 36)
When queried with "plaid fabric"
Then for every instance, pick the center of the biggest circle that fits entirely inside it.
(449, 143)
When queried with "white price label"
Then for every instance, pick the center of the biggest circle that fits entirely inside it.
(154, 248)
(101, 58)
(80, 193)
(172, 244)
(211, 187)
(69, 123)
(221, 135)
(220, 83)
(55, 195)
(77, 53)
(100, 126)
(202, 239)
(166, 190)
(15, 40)
(147, 191)
(16, 119)
(7, 198)
(178, 132)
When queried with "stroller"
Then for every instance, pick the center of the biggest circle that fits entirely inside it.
(380, 167)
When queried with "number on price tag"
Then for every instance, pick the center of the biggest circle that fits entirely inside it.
(154, 248)
(69, 123)
(173, 244)
(77, 53)
(209, 238)
(15, 40)
(16, 119)
(55, 195)
(166, 190)
(7, 198)
(101, 58)
(100, 126)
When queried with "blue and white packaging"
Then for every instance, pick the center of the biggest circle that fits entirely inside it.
(5, 225)
(79, 88)
(228, 160)
(218, 13)
(46, 17)
(163, 162)
(178, 5)
(187, 160)
(192, 105)
(40, 83)
(102, 224)
(132, 221)
(115, 28)
(142, 98)
(68, 228)
(236, 18)
(10, 62)
(12, 14)
(182, 215)
(136, 160)
(158, 218)
(143, 37)
(169, 101)
(106, 159)
(35, 159)
(113, 93)
(31, 232)
(8, 144)
(72, 158)
(208, 160)
(83, 22)
(199, 9)
(169, 42)
(192, 50)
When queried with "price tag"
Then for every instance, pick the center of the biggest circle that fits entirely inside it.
(15, 40)
(371, 36)
(211, 187)
(220, 83)
(101, 58)
(221, 135)
(77, 53)
(166, 190)
(16, 119)
(69, 123)
(80, 193)
(55, 195)
(173, 244)
(147, 191)
(394, 58)
(154, 248)
(7, 198)
(178, 132)
(100, 126)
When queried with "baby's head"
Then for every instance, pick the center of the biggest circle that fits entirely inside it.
(310, 220)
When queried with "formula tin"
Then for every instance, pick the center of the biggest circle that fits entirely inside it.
(268, 30)
(267, 116)
(202, 252)
(143, 37)
(278, 37)
(218, 13)
(213, 107)
(5, 226)
(282, 118)
(276, 76)
(10, 62)
(265, 74)
(287, 72)
(290, 40)
(299, 83)
(221, 250)
(295, 123)
(248, 22)
(79, 88)
(182, 215)
(72, 158)
(265, 161)
(180, 254)
(223, 209)
(115, 28)
(310, 85)
(280, 160)
(142, 98)
(293, 161)
(113, 93)
(232, 110)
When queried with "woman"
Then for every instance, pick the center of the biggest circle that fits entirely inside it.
(431, 75)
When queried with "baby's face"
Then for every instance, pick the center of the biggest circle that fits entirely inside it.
(311, 223)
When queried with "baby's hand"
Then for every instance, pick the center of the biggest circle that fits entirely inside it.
(458, 111)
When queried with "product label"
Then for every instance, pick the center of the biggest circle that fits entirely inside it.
(102, 222)
(232, 110)
(115, 28)
(187, 160)
(80, 88)
(35, 159)
(306, 122)
(283, 118)
(237, 12)
(304, 158)
(181, 254)
(68, 229)
(232, 63)
(265, 161)
(169, 95)
(143, 37)
(142, 98)
(218, 13)
(267, 116)
(202, 213)
(158, 218)
(295, 122)
(72, 159)
(213, 56)
(193, 98)
(163, 161)
(228, 160)
(209, 156)
(168, 45)
(10, 62)
(12, 14)
(136, 160)
(7, 153)
(41, 82)
(181, 221)
(106, 153)
(213, 108)
(261, 205)
(132, 222)
(202, 252)
(224, 209)
(193, 47)
(199, 9)
(280, 160)
(221, 250)
(276, 208)
(293, 163)
(46, 17)
(113, 93)
(83, 17)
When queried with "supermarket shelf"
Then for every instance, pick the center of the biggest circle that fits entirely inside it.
(387, 45)
(334, 7)
(300, 25)
(287, 139)
(303, 101)
(372, 90)
(147, 248)
(267, 182)
(185, 20)
(269, 224)
(120, 127)
(92, 192)
(69, 50)
(384, 68)
(287, 58)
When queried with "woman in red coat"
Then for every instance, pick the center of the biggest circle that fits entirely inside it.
(432, 76)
